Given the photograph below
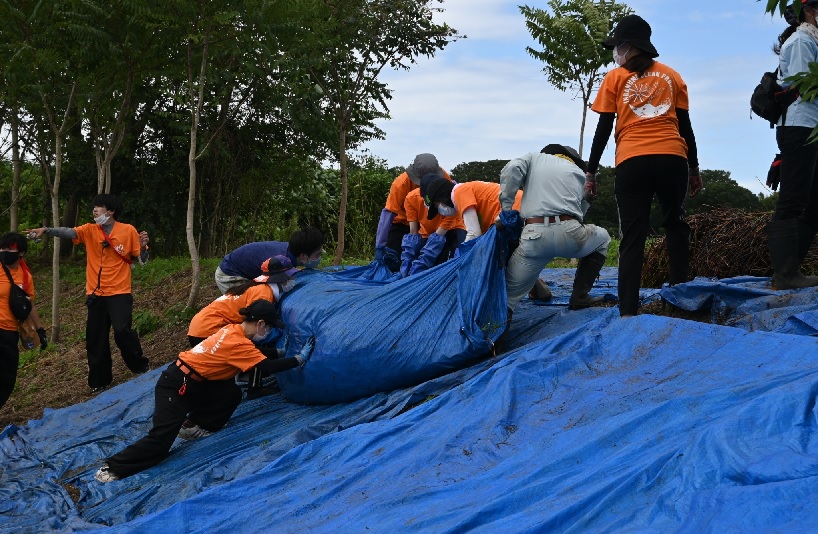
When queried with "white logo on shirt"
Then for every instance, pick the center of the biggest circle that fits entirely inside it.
(649, 96)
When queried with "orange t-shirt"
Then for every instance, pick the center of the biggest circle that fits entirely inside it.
(646, 121)
(397, 196)
(416, 211)
(7, 319)
(223, 355)
(484, 197)
(115, 278)
(225, 310)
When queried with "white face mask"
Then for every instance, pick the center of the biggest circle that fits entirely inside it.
(620, 53)
(446, 211)
(288, 285)
(261, 333)
(102, 219)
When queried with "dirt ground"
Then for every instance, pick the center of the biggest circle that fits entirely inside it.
(57, 377)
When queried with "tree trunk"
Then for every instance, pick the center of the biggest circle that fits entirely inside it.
(15, 181)
(582, 124)
(195, 113)
(55, 257)
(342, 212)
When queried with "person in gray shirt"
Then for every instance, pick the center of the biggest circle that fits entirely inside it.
(553, 207)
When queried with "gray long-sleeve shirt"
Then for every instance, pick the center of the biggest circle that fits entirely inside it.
(551, 186)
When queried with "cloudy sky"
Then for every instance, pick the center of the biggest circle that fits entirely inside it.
(485, 98)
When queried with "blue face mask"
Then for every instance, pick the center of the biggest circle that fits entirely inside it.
(270, 337)
(312, 264)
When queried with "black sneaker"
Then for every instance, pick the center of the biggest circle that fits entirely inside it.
(100, 389)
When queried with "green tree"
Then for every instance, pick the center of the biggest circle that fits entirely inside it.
(483, 171)
(342, 49)
(721, 191)
(571, 38)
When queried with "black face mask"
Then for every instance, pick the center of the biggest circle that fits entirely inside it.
(8, 257)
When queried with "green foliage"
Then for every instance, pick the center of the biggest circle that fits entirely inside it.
(145, 322)
(484, 171)
(571, 38)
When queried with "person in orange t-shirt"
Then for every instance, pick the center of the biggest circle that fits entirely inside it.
(13, 247)
(197, 394)
(393, 225)
(655, 153)
(275, 280)
(449, 231)
(112, 247)
(477, 203)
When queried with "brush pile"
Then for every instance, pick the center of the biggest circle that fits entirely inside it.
(723, 243)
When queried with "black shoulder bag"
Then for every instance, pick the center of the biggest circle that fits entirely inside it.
(19, 302)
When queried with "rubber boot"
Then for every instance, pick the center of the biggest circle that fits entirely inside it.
(806, 235)
(587, 271)
(782, 240)
(540, 291)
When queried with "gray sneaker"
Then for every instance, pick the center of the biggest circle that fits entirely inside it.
(193, 432)
(105, 474)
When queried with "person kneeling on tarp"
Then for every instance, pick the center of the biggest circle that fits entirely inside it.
(197, 394)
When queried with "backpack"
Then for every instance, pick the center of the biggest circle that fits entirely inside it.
(19, 302)
(769, 100)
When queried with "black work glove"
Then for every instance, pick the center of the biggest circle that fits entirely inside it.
(43, 338)
(774, 174)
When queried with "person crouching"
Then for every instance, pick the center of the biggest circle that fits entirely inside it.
(197, 394)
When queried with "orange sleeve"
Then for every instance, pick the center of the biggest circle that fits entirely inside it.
(397, 196)
(412, 205)
(224, 354)
(225, 310)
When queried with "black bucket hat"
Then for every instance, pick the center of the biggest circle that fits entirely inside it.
(565, 151)
(434, 189)
(634, 30)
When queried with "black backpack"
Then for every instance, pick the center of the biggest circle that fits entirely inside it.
(19, 302)
(770, 101)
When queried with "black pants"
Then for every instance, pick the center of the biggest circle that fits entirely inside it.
(395, 236)
(637, 180)
(209, 404)
(798, 194)
(104, 313)
(9, 360)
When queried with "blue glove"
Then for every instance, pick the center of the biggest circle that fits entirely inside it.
(379, 253)
(428, 256)
(306, 351)
(464, 247)
(511, 219)
(410, 246)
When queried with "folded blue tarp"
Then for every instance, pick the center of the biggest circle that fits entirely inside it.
(372, 336)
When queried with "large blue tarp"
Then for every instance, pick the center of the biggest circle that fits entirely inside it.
(588, 423)
(378, 333)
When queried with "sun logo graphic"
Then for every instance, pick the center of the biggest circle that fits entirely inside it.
(649, 96)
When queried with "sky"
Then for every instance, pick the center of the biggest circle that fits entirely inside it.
(484, 97)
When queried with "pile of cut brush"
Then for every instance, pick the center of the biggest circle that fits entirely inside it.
(723, 243)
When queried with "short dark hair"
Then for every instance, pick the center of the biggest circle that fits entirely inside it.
(109, 202)
(306, 241)
(13, 240)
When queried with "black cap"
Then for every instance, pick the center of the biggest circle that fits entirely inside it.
(263, 310)
(434, 189)
(635, 30)
(566, 151)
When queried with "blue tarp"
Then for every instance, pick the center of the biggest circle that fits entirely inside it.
(590, 423)
(384, 333)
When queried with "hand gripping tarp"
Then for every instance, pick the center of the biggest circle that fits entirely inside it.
(373, 336)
